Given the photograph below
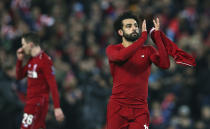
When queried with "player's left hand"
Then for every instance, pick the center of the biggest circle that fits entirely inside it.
(156, 24)
(59, 114)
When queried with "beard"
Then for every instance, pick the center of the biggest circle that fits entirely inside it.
(131, 37)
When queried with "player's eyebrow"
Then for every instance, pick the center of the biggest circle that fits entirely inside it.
(129, 24)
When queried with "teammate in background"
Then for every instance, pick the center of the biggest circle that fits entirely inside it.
(41, 80)
(130, 64)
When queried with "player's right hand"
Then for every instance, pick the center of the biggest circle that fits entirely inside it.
(20, 54)
(59, 114)
(144, 26)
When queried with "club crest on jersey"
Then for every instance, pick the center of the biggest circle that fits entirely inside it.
(32, 73)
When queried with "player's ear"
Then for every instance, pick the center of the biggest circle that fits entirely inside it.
(120, 32)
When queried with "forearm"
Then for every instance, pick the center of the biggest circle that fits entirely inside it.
(20, 72)
(54, 92)
(125, 53)
(163, 55)
(48, 72)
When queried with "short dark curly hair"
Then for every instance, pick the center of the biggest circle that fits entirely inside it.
(118, 22)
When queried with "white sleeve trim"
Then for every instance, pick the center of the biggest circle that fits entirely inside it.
(150, 32)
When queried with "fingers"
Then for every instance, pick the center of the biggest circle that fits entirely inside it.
(144, 26)
(20, 54)
(156, 23)
(60, 118)
(20, 50)
(59, 115)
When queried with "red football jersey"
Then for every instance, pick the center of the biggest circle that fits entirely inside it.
(130, 68)
(41, 78)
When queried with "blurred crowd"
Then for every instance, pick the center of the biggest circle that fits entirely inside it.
(75, 34)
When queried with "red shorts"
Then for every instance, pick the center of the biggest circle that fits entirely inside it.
(121, 117)
(35, 114)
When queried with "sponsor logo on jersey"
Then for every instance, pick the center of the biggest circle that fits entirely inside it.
(32, 73)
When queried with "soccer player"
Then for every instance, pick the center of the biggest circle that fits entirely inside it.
(41, 80)
(130, 64)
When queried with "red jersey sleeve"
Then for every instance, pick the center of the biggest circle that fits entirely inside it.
(159, 57)
(116, 54)
(179, 55)
(48, 71)
(21, 71)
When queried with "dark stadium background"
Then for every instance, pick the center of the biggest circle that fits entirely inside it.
(75, 34)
